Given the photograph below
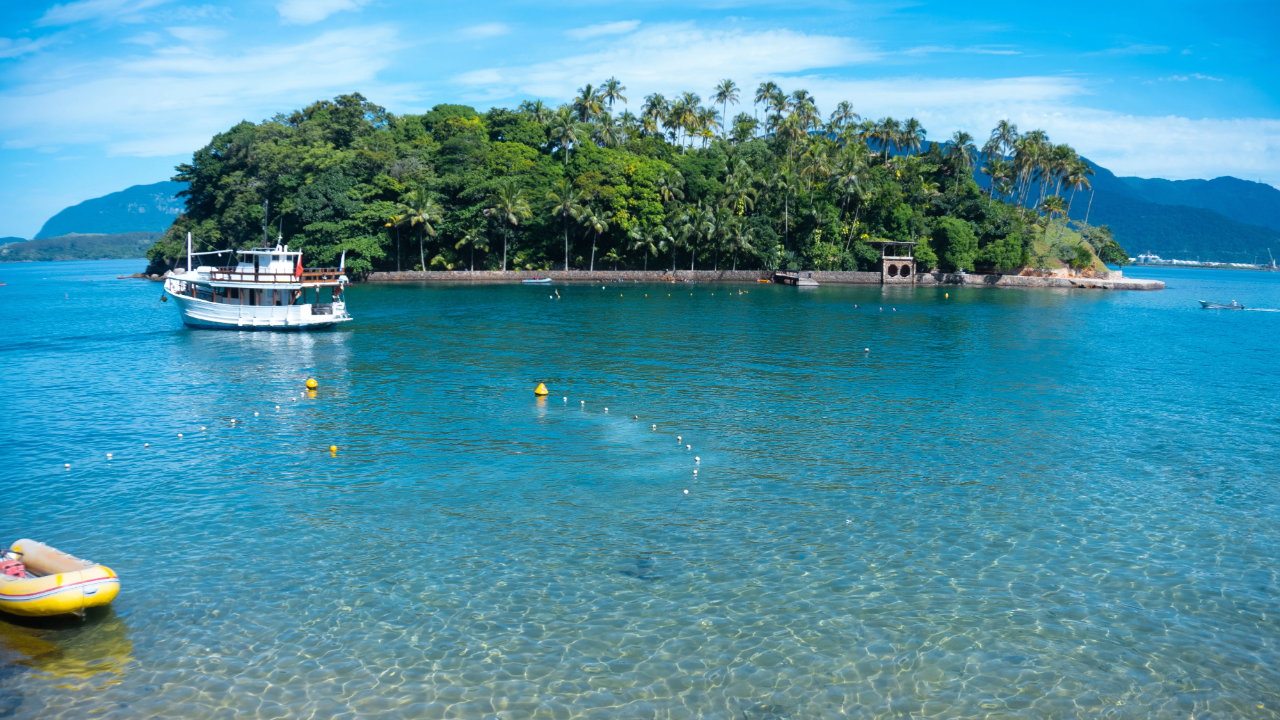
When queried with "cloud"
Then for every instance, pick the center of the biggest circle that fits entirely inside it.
(614, 28)
(85, 10)
(307, 12)
(1185, 78)
(22, 46)
(672, 57)
(976, 50)
(174, 99)
(197, 35)
(1135, 50)
(485, 30)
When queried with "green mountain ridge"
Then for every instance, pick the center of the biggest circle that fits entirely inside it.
(119, 246)
(140, 208)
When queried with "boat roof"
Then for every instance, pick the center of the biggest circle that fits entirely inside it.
(277, 250)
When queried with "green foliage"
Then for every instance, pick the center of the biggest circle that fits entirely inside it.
(669, 187)
(956, 244)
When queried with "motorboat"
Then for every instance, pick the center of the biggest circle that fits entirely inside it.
(537, 281)
(1221, 306)
(39, 580)
(269, 288)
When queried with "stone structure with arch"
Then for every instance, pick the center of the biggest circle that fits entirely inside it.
(897, 266)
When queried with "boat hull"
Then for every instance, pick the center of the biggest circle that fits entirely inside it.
(66, 584)
(197, 313)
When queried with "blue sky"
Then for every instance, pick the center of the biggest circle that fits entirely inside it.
(97, 95)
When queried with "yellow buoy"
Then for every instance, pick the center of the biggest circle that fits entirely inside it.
(333, 449)
(946, 295)
(311, 383)
(540, 390)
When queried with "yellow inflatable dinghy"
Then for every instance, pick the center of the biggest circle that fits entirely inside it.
(52, 582)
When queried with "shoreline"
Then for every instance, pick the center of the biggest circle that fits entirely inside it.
(831, 277)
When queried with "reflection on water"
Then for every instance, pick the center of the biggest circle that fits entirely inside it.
(1018, 504)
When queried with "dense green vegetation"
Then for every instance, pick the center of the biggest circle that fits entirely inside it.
(672, 186)
(141, 208)
(79, 247)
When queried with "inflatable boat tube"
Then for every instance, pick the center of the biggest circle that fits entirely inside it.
(56, 583)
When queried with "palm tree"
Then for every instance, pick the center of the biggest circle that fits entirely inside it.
(744, 127)
(1052, 205)
(588, 104)
(611, 92)
(784, 180)
(1003, 138)
(565, 203)
(509, 206)
(961, 152)
(843, 115)
(564, 130)
(475, 239)
(396, 221)
(765, 93)
(726, 92)
(612, 257)
(912, 136)
(739, 237)
(536, 110)
(649, 243)
(815, 165)
(708, 120)
(999, 170)
(606, 131)
(422, 210)
(1078, 179)
(598, 222)
(654, 109)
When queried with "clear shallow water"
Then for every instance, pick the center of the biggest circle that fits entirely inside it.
(1018, 504)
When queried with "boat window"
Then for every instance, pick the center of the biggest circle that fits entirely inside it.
(275, 258)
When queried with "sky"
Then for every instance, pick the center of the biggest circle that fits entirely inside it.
(99, 95)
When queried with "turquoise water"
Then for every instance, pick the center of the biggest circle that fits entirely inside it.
(1019, 503)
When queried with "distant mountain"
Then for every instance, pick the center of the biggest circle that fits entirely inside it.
(1176, 231)
(141, 208)
(1244, 201)
(79, 247)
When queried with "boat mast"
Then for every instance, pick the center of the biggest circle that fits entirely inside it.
(188, 251)
(266, 205)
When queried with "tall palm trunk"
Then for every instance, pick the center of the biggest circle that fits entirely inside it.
(473, 258)
(693, 254)
(422, 253)
(504, 251)
(1086, 211)
(593, 251)
(566, 242)
(398, 250)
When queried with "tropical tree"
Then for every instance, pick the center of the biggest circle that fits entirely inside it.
(425, 211)
(1003, 139)
(564, 130)
(588, 104)
(508, 206)
(843, 115)
(765, 93)
(536, 110)
(961, 152)
(652, 242)
(566, 202)
(395, 221)
(726, 92)
(596, 221)
(612, 257)
(476, 240)
(611, 92)
(912, 136)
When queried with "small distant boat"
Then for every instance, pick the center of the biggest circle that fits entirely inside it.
(38, 580)
(1221, 306)
(537, 281)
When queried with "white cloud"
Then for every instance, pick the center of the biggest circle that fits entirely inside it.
(614, 28)
(485, 30)
(174, 99)
(1138, 49)
(975, 50)
(84, 10)
(197, 35)
(14, 48)
(670, 58)
(306, 12)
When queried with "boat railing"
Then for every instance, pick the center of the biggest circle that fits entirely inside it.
(309, 275)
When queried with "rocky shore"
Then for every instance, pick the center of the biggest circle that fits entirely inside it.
(1113, 282)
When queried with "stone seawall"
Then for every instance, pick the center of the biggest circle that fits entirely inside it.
(755, 276)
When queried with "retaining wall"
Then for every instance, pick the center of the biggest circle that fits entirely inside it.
(752, 276)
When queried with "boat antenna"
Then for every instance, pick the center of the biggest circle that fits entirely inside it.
(188, 251)
(266, 205)
(281, 238)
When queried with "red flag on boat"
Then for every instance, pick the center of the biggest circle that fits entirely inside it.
(298, 272)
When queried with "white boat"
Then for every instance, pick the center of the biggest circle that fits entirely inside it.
(536, 281)
(268, 288)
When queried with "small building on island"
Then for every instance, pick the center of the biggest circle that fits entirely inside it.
(897, 265)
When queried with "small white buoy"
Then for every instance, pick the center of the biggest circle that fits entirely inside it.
(866, 349)
(277, 407)
(67, 466)
(202, 428)
(255, 414)
(655, 427)
(584, 402)
(566, 399)
(686, 492)
(294, 399)
(678, 439)
(695, 472)
(688, 447)
(108, 456)
(635, 417)
(697, 459)
(146, 444)
(606, 409)
(179, 436)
